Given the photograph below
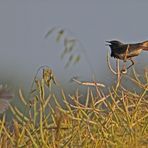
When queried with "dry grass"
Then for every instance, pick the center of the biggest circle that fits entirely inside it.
(118, 118)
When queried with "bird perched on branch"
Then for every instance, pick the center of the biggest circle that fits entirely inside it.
(126, 52)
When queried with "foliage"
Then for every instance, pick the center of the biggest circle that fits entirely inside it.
(72, 46)
(116, 118)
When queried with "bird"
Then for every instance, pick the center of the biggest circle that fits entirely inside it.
(122, 51)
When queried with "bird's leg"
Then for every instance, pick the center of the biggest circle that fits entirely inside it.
(124, 69)
(131, 64)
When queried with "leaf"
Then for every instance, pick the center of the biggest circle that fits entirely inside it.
(69, 60)
(77, 59)
(71, 44)
(60, 34)
(50, 31)
(48, 76)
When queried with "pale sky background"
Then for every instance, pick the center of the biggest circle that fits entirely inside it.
(24, 23)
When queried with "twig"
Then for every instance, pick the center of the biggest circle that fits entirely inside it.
(88, 83)
(109, 65)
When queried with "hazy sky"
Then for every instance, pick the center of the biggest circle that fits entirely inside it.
(24, 23)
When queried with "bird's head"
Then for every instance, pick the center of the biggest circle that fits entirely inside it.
(114, 43)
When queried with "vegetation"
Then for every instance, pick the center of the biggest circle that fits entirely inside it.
(117, 118)
(113, 116)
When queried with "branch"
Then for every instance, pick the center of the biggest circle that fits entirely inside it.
(88, 83)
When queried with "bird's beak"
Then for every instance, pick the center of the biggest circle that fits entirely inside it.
(108, 43)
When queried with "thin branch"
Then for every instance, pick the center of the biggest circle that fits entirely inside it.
(109, 65)
(88, 83)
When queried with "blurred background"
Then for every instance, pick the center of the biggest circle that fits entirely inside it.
(24, 48)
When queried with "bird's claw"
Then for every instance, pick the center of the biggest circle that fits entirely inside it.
(124, 71)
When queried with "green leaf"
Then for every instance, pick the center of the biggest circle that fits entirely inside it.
(77, 59)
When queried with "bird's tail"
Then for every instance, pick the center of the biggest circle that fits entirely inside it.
(146, 49)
